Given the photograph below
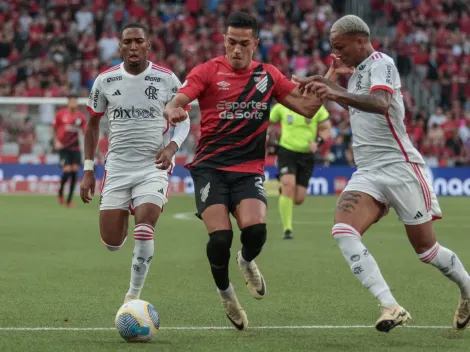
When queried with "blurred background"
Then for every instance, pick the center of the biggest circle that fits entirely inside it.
(52, 48)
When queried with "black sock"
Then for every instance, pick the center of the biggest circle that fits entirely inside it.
(253, 238)
(63, 181)
(218, 253)
(72, 186)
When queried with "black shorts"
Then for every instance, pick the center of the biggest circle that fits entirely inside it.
(69, 157)
(299, 164)
(212, 186)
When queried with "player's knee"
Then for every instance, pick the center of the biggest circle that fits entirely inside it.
(254, 236)
(299, 200)
(113, 245)
(218, 247)
(288, 189)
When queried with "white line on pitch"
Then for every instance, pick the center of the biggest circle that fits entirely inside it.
(228, 328)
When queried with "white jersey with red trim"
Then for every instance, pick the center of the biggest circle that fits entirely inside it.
(134, 107)
(380, 140)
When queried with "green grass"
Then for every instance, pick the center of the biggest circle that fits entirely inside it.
(56, 273)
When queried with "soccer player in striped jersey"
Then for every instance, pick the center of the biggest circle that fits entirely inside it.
(234, 94)
(141, 152)
(391, 172)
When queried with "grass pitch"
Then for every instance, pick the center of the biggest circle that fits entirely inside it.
(55, 273)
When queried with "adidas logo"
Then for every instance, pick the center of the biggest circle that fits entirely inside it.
(418, 215)
(116, 93)
(160, 190)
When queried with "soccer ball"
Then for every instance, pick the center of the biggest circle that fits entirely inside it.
(137, 321)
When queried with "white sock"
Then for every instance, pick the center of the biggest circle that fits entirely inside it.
(227, 293)
(141, 257)
(243, 263)
(362, 264)
(449, 264)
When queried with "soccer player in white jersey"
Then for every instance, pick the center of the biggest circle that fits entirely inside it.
(391, 172)
(132, 96)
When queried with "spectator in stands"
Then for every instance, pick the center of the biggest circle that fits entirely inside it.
(26, 137)
(438, 118)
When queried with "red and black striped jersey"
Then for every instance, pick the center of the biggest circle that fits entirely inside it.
(67, 125)
(234, 108)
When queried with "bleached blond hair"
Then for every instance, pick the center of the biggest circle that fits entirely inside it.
(350, 24)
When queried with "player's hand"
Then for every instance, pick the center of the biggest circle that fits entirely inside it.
(339, 66)
(313, 147)
(321, 91)
(175, 115)
(164, 156)
(87, 188)
(302, 82)
(58, 145)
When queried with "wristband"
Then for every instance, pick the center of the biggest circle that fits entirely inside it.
(88, 165)
(320, 141)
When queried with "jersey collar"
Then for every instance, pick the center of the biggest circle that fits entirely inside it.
(145, 72)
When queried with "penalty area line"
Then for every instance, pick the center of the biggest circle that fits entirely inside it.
(187, 328)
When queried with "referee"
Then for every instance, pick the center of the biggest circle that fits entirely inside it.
(300, 139)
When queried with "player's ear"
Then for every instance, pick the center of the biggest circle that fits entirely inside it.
(256, 43)
(149, 44)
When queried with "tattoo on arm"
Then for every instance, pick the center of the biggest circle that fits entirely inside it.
(377, 102)
(347, 201)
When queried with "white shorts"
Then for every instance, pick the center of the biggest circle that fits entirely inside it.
(121, 189)
(403, 186)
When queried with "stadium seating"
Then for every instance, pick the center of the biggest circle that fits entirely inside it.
(53, 50)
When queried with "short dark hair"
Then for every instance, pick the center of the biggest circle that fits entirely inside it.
(72, 96)
(243, 20)
(134, 25)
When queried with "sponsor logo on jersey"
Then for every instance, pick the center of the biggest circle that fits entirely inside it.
(226, 73)
(223, 85)
(135, 113)
(388, 77)
(114, 79)
(152, 79)
(245, 110)
(95, 97)
(361, 67)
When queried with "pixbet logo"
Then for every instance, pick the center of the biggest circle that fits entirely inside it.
(244, 110)
(134, 113)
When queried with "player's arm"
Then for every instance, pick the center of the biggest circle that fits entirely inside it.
(55, 126)
(175, 110)
(383, 77)
(195, 84)
(302, 103)
(96, 106)
(377, 102)
(324, 130)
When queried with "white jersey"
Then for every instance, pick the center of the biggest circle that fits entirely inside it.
(134, 107)
(380, 140)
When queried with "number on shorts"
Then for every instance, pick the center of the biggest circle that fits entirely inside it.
(260, 186)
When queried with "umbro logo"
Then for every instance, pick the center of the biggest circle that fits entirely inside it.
(160, 190)
(116, 93)
(223, 85)
(418, 215)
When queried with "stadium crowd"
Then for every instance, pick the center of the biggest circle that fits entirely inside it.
(52, 48)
